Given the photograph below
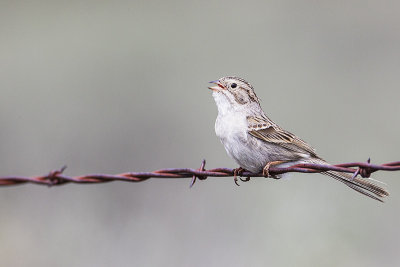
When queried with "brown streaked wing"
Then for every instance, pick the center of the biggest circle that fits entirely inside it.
(268, 131)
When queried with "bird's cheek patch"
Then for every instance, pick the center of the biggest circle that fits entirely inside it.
(240, 98)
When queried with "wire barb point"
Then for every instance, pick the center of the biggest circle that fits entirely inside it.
(194, 177)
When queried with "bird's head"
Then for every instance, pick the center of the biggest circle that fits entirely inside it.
(233, 93)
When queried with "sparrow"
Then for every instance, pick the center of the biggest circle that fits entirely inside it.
(256, 143)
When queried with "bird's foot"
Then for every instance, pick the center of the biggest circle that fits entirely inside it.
(239, 171)
(268, 165)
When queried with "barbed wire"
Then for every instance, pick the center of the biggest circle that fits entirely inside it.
(57, 177)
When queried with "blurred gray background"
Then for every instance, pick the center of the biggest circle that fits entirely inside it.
(110, 87)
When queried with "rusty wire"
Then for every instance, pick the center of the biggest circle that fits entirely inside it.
(58, 178)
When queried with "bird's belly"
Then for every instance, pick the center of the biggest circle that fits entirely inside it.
(240, 145)
(245, 152)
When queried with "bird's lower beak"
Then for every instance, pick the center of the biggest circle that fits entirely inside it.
(218, 86)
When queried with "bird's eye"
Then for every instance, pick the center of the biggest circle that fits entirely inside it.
(233, 85)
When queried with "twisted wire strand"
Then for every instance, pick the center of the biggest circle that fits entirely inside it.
(56, 177)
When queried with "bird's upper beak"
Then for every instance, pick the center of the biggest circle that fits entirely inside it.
(218, 87)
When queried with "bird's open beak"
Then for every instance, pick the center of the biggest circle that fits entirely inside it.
(218, 87)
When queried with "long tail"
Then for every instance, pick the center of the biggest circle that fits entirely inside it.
(361, 185)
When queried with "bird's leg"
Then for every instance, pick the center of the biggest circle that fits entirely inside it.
(239, 171)
(268, 165)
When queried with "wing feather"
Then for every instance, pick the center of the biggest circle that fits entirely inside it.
(268, 131)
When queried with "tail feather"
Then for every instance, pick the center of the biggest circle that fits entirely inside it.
(357, 185)
(361, 185)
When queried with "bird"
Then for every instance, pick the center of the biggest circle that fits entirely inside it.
(257, 143)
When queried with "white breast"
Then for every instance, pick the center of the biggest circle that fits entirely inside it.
(231, 128)
(231, 125)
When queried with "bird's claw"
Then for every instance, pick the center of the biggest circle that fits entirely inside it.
(235, 179)
(268, 165)
(245, 180)
(239, 171)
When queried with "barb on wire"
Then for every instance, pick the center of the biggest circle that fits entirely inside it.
(58, 178)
